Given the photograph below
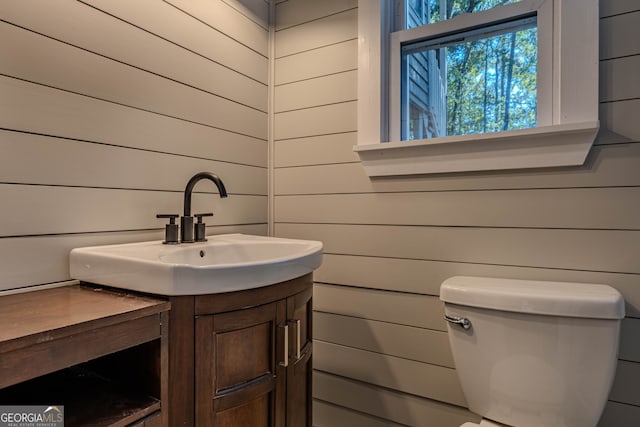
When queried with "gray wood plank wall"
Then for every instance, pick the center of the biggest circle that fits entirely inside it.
(108, 108)
(381, 348)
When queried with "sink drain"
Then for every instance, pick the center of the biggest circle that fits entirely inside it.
(201, 254)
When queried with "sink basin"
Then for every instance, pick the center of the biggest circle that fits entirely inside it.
(225, 263)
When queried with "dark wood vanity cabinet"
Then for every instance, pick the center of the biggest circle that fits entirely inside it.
(252, 358)
(239, 369)
(299, 314)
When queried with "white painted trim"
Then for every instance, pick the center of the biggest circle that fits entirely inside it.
(568, 95)
(549, 146)
(395, 91)
(371, 128)
(578, 67)
(271, 149)
(547, 103)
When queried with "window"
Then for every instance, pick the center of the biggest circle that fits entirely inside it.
(476, 84)
(477, 81)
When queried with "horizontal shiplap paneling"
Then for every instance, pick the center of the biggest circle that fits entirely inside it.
(328, 415)
(179, 66)
(290, 13)
(569, 249)
(606, 166)
(382, 402)
(619, 414)
(79, 163)
(321, 32)
(618, 77)
(625, 385)
(211, 42)
(561, 250)
(390, 242)
(425, 277)
(326, 60)
(399, 308)
(619, 35)
(330, 89)
(43, 110)
(397, 327)
(419, 344)
(60, 65)
(255, 10)
(328, 119)
(389, 371)
(82, 210)
(242, 21)
(91, 29)
(616, 7)
(316, 150)
(105, 115)
(557, 208)
(360, 358)
(629, 348)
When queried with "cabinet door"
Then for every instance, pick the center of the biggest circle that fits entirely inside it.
(240, 377)
(299, 398)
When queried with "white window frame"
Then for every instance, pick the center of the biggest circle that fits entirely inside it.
(567, 94)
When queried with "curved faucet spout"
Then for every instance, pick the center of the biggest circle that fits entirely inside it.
(192, 182)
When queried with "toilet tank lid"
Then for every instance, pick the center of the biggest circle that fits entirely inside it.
(534, 297)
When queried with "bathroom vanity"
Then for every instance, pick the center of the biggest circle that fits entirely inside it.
(239, 329)
(119, 358)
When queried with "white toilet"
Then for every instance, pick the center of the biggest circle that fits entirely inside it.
(533, 354)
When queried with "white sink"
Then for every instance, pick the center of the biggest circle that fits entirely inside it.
(224, 263)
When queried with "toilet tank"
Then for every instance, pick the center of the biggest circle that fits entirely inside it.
(535, 354)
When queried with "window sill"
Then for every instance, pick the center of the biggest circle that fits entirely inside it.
(548, 146)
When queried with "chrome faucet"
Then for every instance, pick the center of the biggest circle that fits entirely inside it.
(187, 226)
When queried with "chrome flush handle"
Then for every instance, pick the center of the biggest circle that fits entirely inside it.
(462, 321)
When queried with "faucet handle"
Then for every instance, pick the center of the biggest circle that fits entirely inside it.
(171, 229)
(172, 217)
(200, 227)
(199, 216)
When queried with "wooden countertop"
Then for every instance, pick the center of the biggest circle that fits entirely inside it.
(34, 317)
(46, 330)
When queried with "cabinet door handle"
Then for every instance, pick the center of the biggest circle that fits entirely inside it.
(297, 339)
(286, 346)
